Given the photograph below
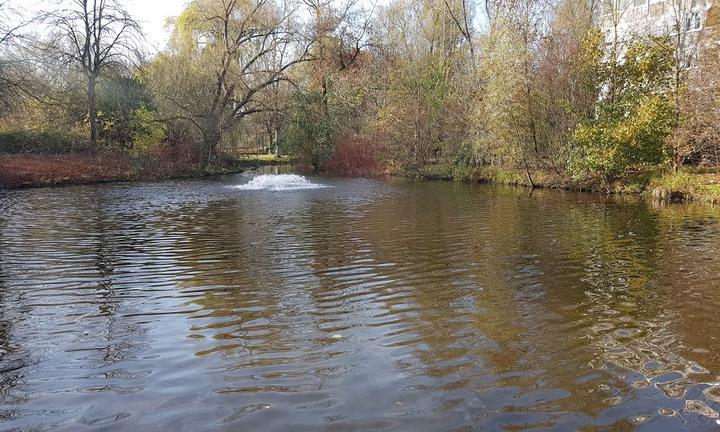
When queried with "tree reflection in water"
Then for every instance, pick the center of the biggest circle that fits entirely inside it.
(368, 305)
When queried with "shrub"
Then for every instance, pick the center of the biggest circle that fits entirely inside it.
(355, 155)
(311, 130)
(633, 117)
(40, 141)
(611, 146)
(148, 133)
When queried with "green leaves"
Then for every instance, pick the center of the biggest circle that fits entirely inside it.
(310, 132)
(633, 117)
(610, 146)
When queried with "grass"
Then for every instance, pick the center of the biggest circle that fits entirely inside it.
(700, 185)
(487, 174)
(250, 161)
(263, 158)
(694, 185)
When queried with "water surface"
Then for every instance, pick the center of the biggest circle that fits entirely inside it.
(361, 305)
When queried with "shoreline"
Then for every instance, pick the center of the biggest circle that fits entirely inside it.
(682, 187)
(30, 171)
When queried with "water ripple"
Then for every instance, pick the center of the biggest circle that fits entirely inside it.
(368, 305)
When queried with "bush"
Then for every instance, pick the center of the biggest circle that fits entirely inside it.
(633, 118)
(149, 133)
(125, 115)
(310, 132)
(611, 146)
(42, 141)
(355, 155)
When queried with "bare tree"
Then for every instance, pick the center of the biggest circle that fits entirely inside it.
(7, 32)
(697, 136)
(340, 28)
(684, 21)
(12, 26)
(463, 21)
(612, 15)
(94, 35)
(274, 101)
(6, 29)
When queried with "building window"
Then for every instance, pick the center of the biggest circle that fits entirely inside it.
(692, 21)
(639, 3)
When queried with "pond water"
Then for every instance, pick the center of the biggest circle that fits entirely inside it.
(277, 304)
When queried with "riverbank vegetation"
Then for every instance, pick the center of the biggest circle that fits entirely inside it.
(524, 91)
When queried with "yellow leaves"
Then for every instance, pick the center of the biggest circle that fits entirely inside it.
(613, 145)
(151, 132)
(186, 22)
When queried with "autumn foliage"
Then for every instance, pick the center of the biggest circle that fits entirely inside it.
(355, 155)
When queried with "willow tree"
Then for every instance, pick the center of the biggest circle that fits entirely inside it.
(94, 35)
(222, 56)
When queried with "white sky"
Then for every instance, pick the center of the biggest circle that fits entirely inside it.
(151, 14)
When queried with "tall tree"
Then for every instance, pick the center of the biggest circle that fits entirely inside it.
(13, 56)
(567, 77)
(94, 35)
(7, 31)
(224, 54)
(426, 50)
(510, 68)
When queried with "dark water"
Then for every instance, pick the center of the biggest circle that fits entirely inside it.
(368, 305)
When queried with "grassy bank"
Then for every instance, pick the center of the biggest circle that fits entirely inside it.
(36, 170)
(687, 185)
(256, 161)
(23, 170)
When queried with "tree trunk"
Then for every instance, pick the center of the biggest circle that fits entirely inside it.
(211, 139)
(676, 161)
(527, 173)
(92, 110)
(275, 143)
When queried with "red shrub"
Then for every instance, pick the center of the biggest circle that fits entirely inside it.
(354, 155)
(18, 170)
(171, 159)
(166, 160)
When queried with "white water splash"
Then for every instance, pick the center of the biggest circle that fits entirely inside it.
(279, 182)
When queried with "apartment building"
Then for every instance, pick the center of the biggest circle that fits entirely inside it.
(692, 23)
